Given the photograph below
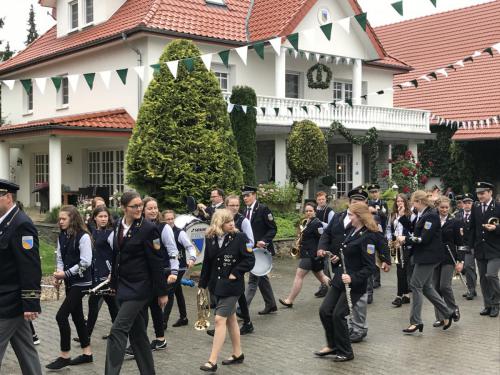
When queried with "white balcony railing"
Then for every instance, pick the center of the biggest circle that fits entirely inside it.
(358, 117)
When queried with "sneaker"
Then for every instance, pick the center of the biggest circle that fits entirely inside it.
(36, 340)
(58, 364)
(81, 359)
(129, 353)
(158, 345)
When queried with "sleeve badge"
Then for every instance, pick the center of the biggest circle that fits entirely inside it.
(427, 225)
(321, 230)
(156, 244)
(270, 216)
(370, 249)
(27, 242)
(249, 250)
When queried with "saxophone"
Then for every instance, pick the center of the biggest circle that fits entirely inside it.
(295, 251)
(203, 305)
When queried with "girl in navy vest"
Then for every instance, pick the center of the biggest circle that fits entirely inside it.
(169, 252)
(74, 260)
(187, 257)
(102, 233)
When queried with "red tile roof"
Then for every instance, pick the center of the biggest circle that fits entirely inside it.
(117, 119)
(479, 134)
(436, 41)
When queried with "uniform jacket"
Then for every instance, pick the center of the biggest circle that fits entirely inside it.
(103, 254)
(486, 244)
(382, 211)
(210, 212)
(75, 252)
(20, 270)
(323, 213)
(334, 234)
(232, 257)
(466, 225)
(263, 225)
(310, 238)
(359, 255)
(138, 265)
(426, 242)
(451, 235)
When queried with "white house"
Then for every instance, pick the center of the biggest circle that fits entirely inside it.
(76, 137)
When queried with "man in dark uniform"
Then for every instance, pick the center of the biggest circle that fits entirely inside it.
(459, 200)
(485, 240)
(464, 215)
(20, 277)
(379, 207)
(217, 198)
(264, 229)
(325, 214)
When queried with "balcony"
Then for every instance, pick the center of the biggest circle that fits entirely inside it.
(357, 117)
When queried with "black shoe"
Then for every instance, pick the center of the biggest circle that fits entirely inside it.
(82, 359)
(59, 363)
(105, 337)
(36, 340)
(419, 327)
(485, 311)
(246, 328)
(211, 332)
(319, 353)
(343, 358)
(469, 296)
(405, 300)
(234, 360)
(268, 310)
(398, 301)
(370, 299)
(456, 318)
(129, 353)
(158, 345)
(209, 366)
(438, 323)
(376, 285)
(451, 318)
(357, 337)
(323, 289)
(76, 339)
(181, 322)
(494, 311)
(282, 301)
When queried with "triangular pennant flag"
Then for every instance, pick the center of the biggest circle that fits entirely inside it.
(263, 109)
(295, 53)
(139, 70)
(317, 56)
(434, 2)
(406, 84)
(425, 77)
(460, 63)
(380, 92)
(364, 97)
(318, 106)
(337, 60)
(122, 73)
(345, 23)
(276, 44)
(399, 87)
(302, 54)
(290, 109)
(327, 30)
(89, 78)
(307, 55)
(451, 66)
(155, 67)
(349, 102)
(468, 58)
(207, 60)
(496, 47)
(476, 54)
(27, 84)
(347, 60)
(259, 49)
(361, 18)
(398, 6)
(173, 66)
(41, 83)
(57, 82)
(9, 83)
(443, 72)
(244, 108)
(106, 77)
(304, 108)
(414, 82)
(242, 53)
(188, 63)
(230, 107)
(294, 40)
(73, 81)
(433, 75)
(224, 56)
(276, 111)
(489, 50)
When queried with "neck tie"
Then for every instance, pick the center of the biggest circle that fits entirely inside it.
(484, 208)
(249, 210)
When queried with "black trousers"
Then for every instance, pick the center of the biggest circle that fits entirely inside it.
(129, 323)
(72, 304)
(95, 303)
(179, 296)
(332, 313)
(244, 310)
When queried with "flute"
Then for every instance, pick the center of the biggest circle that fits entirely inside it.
(347, 286)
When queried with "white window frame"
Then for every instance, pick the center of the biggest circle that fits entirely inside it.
(28, 101)
(299, 84)
(343, 89)
(219, 70)
(60, 104)
(343, 173)
(70, 15)
(85, 14)
(41, 171)
(105, 167)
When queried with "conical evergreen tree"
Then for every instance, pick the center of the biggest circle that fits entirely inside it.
(32, 33)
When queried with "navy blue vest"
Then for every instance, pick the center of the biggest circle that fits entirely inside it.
(70, 254)
(180, 247)
(102, 255)
(322, 213)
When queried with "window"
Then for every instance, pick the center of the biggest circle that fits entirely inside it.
(223, 78)
(343, 173)
(28, 100)
(105, 168)
(41, 171)
(89, 11)
(342, 90)
(73, 15)
(63, 94)
(292, 85)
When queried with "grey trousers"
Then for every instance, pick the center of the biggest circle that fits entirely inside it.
(358, 323)
(470, 271)
(443, 276)
(264, 285)
(421, 285)
(130, 323)
(488, 279)
(17, 331)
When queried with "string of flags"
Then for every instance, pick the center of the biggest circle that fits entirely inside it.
(466, 124)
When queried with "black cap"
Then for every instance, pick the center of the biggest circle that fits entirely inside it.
(373, 187)
(483, 186)
(358, 193)
(8, 186)
(467, 197)
(248, 189)
(459, 197)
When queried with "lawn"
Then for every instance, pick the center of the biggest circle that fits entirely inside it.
(48, 257)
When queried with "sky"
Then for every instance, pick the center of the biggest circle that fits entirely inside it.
(380, 12)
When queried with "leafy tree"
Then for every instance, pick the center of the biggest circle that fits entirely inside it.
(307, 152)
(244, 126)
(182, 143)
(7, 53)
(32, 33)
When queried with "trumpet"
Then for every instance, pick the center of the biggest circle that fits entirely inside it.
(203, 306)
(396, 250)
(494, 221)
(295, 251)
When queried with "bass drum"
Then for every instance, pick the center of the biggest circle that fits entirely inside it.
(263, 262)
(181, 221)
(195, 231)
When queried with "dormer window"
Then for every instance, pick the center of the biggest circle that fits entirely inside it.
(73, 15)
(89, 11)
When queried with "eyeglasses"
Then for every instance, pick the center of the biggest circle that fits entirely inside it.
(136, 207)
(233, 205)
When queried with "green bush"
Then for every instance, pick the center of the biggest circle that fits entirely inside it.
(47, 257)
(287, 224)
(52, 216)
(278, 198)
(244, 125)
(183, 143)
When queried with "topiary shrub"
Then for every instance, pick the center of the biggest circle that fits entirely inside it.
(182, 143)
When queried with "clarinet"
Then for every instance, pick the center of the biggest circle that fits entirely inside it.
(347, 286)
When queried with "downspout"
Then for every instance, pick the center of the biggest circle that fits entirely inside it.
(247, 20)
(139, 61)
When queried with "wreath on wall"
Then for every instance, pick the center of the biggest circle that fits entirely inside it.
(370, 139)
(318, 83)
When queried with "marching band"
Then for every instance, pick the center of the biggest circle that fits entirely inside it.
(142, 258)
